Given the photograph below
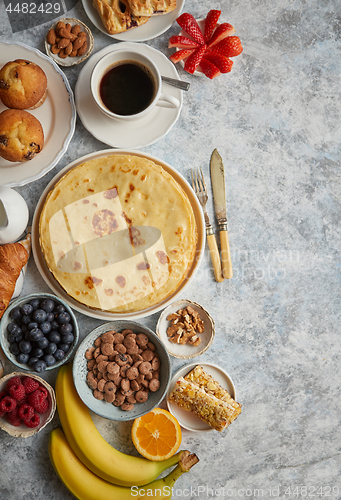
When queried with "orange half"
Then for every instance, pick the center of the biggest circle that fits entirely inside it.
(156, 435)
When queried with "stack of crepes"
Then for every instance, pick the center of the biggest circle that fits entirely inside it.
(121, 15)
(201, 394)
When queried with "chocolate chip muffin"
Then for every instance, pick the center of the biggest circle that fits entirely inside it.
(21, 135)
(23, 85)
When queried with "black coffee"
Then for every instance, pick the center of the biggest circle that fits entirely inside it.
(127, 88)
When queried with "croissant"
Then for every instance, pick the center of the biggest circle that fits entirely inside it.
(13, 257)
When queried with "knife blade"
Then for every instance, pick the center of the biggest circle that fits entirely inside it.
(218, 186)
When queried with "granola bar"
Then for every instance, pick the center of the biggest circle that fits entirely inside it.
(215, 412)
(206, 382)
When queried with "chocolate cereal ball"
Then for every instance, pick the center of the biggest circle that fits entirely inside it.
(21, 135)
(23, 85)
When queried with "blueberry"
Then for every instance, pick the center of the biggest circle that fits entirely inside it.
(26, 309)
(19, 337)
(13, 328)
(47, 305)
(37, 352)
(24, 328)
(54, 337)
(45, 327)
(59, 354)
(55, 325)
(63, 318)
(60, 308)
(36, 334)
(51, 348)
(66, 328)
(32, 325)
(64, 347)
(25, 346)
(23, 358)
(32, 360)
(50, 317)
(39, 315)
(49, 359)
(11, 338)
(67, 338)
(16, 312)
(40, 366)
(14, 348)
(26, 319)
(35, 303)
(43, 343)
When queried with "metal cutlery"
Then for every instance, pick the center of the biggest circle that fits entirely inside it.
(218, 186)
(200, 189)
(179, 84)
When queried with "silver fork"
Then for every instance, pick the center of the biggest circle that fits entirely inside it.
(200, 189)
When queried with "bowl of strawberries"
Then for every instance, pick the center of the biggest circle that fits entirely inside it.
(205, 46)
(27, 404)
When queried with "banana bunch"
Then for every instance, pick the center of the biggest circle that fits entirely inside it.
(100, 463)
(85, 485)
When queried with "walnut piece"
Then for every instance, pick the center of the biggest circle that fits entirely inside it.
(185, 325)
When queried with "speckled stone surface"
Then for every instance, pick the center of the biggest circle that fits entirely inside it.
(275, 120)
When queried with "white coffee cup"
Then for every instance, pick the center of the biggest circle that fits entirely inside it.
(120, 57)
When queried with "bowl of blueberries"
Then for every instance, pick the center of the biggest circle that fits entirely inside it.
(38, 332)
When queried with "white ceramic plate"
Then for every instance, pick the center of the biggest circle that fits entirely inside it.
(108, 410)
(186, 419)
(135, 134)
(105, 315)
(153, 28)
(57, 116)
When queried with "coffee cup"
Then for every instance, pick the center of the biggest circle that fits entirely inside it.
(126, 85)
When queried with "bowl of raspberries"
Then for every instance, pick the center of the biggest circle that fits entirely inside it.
(38, 332)
(27, 404)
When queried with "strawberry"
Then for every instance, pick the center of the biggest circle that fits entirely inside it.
(182, 42)
(228, 47)
(210, 23)
(189, 24)
(194, 59)
(180, 55)
(221, 32)
(224, 64)
(209, 69)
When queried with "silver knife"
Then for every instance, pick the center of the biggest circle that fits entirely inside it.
(218, 186)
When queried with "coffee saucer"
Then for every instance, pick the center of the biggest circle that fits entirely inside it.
(135, 134)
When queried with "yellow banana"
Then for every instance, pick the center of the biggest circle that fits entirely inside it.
(85, 485)
(92, 449)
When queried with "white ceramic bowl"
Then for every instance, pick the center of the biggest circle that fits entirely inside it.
(71, 61)
(45, 418)
(187, 419)
(108, 410)
(6, 319)
(186, 351)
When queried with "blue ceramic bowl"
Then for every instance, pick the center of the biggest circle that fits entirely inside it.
(108, 410)
(6, 319)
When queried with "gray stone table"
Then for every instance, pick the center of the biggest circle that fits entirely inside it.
(275, 119)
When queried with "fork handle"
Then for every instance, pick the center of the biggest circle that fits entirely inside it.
(215, 257)
(226, 254)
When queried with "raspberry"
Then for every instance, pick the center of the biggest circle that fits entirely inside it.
(33, 422)
(42, 406)
(30, 384)
(17, 391)
(7, 404)
(43, 390)
(14, 380)
(36, 397)
(26, 412)
(2, 413)
(13, 418)
(3, 394)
